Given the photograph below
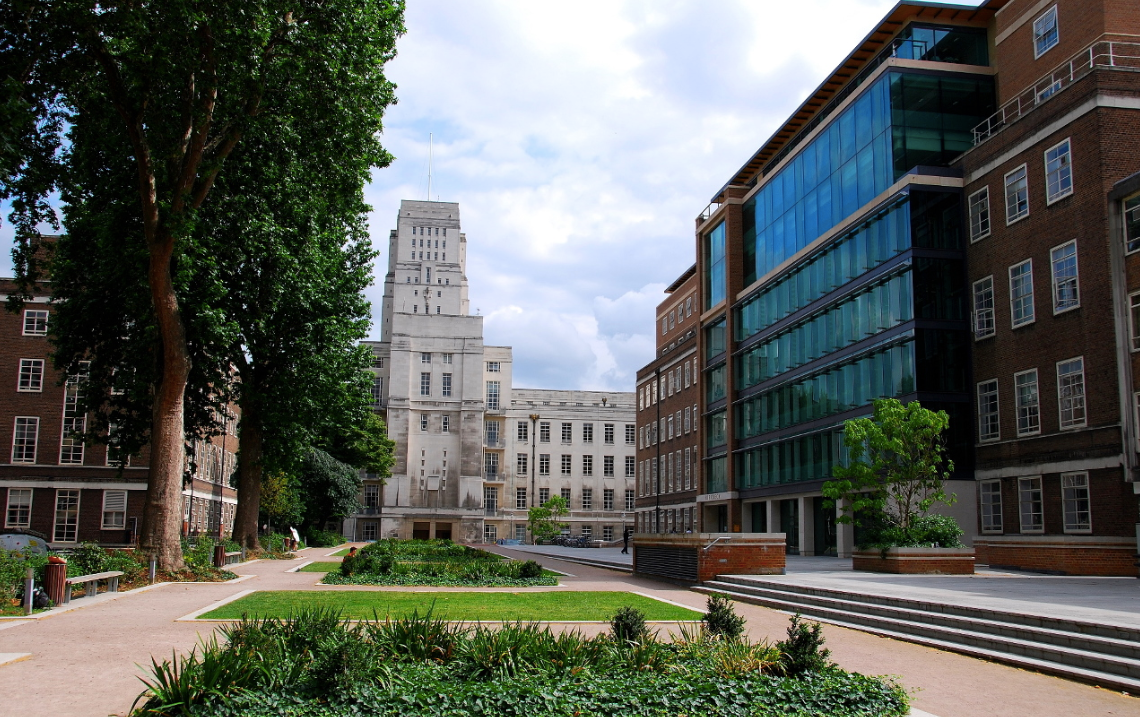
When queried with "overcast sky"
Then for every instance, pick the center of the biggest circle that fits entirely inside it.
(581, 139)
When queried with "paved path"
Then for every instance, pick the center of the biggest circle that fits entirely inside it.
(83, 662)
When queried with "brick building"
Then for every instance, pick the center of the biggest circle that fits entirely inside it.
(53, 484)
(668, 410)
(883, 243)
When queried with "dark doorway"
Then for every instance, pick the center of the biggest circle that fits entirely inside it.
(790, 524)
(826, 540)
(722, 519)
(443, 531)
(760, 517)
(421, 531)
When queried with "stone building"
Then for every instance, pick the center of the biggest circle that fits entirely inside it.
(455, 416)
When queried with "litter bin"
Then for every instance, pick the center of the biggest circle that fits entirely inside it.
(55, 581)
(219, 556)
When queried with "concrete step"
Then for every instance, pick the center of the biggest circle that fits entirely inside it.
(1085, 665)
(988, 622)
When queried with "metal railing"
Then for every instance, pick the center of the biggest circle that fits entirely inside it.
(495, 442)
(1103, 53)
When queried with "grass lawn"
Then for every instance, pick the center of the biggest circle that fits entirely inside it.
(467, 606)
(320, 567)
(342, 552)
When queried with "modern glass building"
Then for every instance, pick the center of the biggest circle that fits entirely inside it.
(834, 273)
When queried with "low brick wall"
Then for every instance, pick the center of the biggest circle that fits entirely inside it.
(689, 558)
(1059, 554)
(916, 561)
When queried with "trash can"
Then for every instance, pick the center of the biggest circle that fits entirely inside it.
(219, 556)
(55, 581)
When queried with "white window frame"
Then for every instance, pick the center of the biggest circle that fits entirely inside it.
(1134, 319)
(1124, 211)
(996, 436)
(1023, 485)
(55, 524)
(983, 215)
(1038, 23)
(445, 423)
(1013, 219)
(979, 313)
(994, 526)
(494, 367)
(1036, 406)
(425, 383)
(1014, 323)
(1076, 278)
(31, 494)
(1065, 501)
(32, 317)
(104, 525)
(1064, 167)
(445, 385)
(1084, 411)
(34, 421)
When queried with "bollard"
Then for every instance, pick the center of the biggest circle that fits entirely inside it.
(29, 591)
(153, 568)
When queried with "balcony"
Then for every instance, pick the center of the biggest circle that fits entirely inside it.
(1102, 54)
(494, 442)
(491, 512)
(493, 476)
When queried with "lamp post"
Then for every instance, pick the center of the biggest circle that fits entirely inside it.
(657, 442)
(533, 465)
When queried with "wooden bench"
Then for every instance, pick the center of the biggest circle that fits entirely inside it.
(91, 583)
(222, 558)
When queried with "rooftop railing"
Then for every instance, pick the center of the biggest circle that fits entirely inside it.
(1103, 53)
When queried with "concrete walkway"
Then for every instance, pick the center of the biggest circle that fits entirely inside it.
(82, 662)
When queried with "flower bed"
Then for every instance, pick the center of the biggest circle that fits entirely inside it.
(435, 562)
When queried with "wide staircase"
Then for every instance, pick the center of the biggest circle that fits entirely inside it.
(1105, 655)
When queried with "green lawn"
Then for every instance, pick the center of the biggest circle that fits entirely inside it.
(320, 567)
(467, 606)
(342, 552)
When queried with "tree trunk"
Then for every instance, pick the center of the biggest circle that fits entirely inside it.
(162, 518)
(249, 476)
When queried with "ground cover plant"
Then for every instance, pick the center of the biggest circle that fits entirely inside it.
(459, 605)
(315, 664)
(435, 562)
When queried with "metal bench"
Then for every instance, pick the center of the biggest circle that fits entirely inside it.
(91, 583)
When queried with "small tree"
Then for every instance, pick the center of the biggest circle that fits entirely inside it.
(896, 466)
(543, 519)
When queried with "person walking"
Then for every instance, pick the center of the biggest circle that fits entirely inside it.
(625, 541)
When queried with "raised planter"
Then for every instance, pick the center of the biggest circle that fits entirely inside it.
(915, 561)
(697, 557)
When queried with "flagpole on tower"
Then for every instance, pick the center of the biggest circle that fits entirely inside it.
(429, 165)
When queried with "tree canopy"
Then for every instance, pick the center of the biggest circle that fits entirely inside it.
(544, 519)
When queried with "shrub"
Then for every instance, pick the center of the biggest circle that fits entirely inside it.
(721, 619)
(530, 569)
(803, 651)
(628, 625)
(940, 531)
(316, 538)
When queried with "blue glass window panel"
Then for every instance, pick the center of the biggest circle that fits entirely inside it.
(847, 146)
(863, 120)
(866, 169)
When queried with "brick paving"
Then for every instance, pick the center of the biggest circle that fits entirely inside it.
(83, 662)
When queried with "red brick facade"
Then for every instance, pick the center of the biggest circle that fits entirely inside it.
(698, 557)
(915, 561)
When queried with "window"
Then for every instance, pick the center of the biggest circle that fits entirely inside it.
(1058, 172)
(664, 325)
(1016, 195)
(714, 251)
(607, 499)
(522, 431)
(689, 457)
(1028, 407)
(1071, 392)
(447, 358)
(425, 357)
(587, 499)
(980, 214)
(445, 424)
(490, 532)
(984, 323)
(587, 531)
(669, 430)
(521, 463)
(493, 367)
(1066, 293)
(520, 498)
(629, 500)
(587, 465)
(378, 362)
(688, 374)
(630, 434)
(114, 509)
(491, 466)
(630, 466)
(566, 496)
(423, 422)
(607, 533)
(609, 434)
(446, 387)
(567, 464)
(989, 427)
(608, 466)
(491, 429)
(1045, 35)
(544, 432)
(31, 375)
(989, 496)
(1029, 501)
(377, 391)
(567, 432)
(1075, 502)
(66, 516)
(24, 437)
(587, 433)
(425, 384)
(35, 322)
(687, 423)
(19, 513)
(493, 395)
(543, 496)
(544, 464)
(1021, 293)
(1132, 224)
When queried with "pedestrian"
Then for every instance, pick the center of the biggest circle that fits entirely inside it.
(352, 552)
(625, 541)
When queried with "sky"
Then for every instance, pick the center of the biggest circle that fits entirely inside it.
(581, 140)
